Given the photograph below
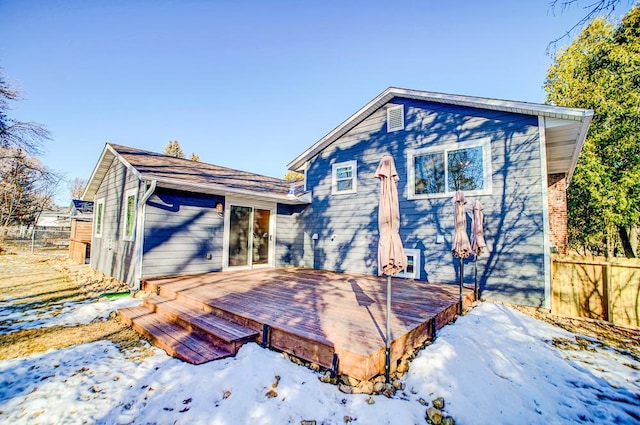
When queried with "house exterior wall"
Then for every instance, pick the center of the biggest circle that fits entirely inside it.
(558, 221)
(513, 267)
(110, 253)
(290, 237)
(183, 234)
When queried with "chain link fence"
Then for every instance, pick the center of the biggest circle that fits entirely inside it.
(38, 240)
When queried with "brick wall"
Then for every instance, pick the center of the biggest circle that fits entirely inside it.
(557, 188)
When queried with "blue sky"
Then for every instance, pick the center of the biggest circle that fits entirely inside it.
(250, 85)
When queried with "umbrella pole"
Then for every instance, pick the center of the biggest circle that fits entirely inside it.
(387, 365)
(475, 278)
(461, 273)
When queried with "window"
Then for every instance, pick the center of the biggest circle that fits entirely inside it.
(443, 170)
(344, 177)
(412, 270)
(99, 217)
(395, 118)
(130, 215)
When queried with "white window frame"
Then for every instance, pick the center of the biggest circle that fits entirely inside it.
(354, 177)
(415, 253)
(391, 110)
(484, 143)
(129, 193)
(97, 210)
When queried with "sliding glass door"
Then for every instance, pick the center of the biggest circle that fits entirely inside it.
(249, 236)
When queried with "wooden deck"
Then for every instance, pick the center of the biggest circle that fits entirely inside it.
(312, 314)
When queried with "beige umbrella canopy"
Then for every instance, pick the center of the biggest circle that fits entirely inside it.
(461, 246)
(478, 244)
(391, 257)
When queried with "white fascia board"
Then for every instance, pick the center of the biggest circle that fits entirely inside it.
(97, 175)
(126, 163)
(342, 128)
(582, 135)
(90, 191)
(218, 189)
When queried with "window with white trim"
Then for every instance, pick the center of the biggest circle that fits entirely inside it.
(443, 170)
(344, 177)
(99, 218)
(395, 118)
(129, 218)
(412, 270)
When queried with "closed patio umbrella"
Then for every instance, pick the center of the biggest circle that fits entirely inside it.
(478, 244)
(461, 246)
(391, 257)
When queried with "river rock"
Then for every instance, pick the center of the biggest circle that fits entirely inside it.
(434, 416)
(438, 403)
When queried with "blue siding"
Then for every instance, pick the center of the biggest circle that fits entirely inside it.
(513, 268)
(183, 234)
(289, 237)
(110, 254)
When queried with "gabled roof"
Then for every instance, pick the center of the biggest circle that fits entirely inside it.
(566, 127)
(192, 176)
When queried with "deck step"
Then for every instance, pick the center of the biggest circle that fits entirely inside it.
(171, 337)
(218, 330)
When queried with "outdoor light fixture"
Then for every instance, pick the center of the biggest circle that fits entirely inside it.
(219, 209)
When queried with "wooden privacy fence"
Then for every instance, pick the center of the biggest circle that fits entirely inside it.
(598, 288)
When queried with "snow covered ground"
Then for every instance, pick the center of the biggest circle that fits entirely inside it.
(493, 366)
(59, 314)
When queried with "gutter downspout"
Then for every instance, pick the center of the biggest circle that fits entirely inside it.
(140, 231)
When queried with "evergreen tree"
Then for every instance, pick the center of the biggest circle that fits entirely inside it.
(173, 149)
(600, 70)
(194, 157)
(293, 176)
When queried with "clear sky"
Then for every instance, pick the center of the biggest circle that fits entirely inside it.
(251, 84)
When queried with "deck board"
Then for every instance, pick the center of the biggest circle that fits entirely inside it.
(315, 312)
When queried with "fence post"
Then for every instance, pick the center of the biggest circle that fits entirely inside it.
(607, 292)
(33, 238)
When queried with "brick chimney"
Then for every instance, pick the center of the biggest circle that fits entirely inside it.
(557, 190)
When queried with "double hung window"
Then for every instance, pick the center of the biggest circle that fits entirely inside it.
(344, 177)
(443, 170)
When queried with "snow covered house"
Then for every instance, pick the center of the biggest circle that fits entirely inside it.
(157, 215)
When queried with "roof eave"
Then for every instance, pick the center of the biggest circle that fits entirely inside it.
(98, 174)
(573, 114)
(584, 129)
(219, 189)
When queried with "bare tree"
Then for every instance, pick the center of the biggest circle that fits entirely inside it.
(593, 9)
(26, 185)
(27, 136)
(76, 187)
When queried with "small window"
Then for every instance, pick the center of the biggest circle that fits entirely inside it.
(444, 170)
(99, 218)
(344, 177)
(412, 271)
(130, 215)
(395, 118)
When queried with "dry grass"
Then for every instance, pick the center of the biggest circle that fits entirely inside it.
(623, 339)
(44, 284)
